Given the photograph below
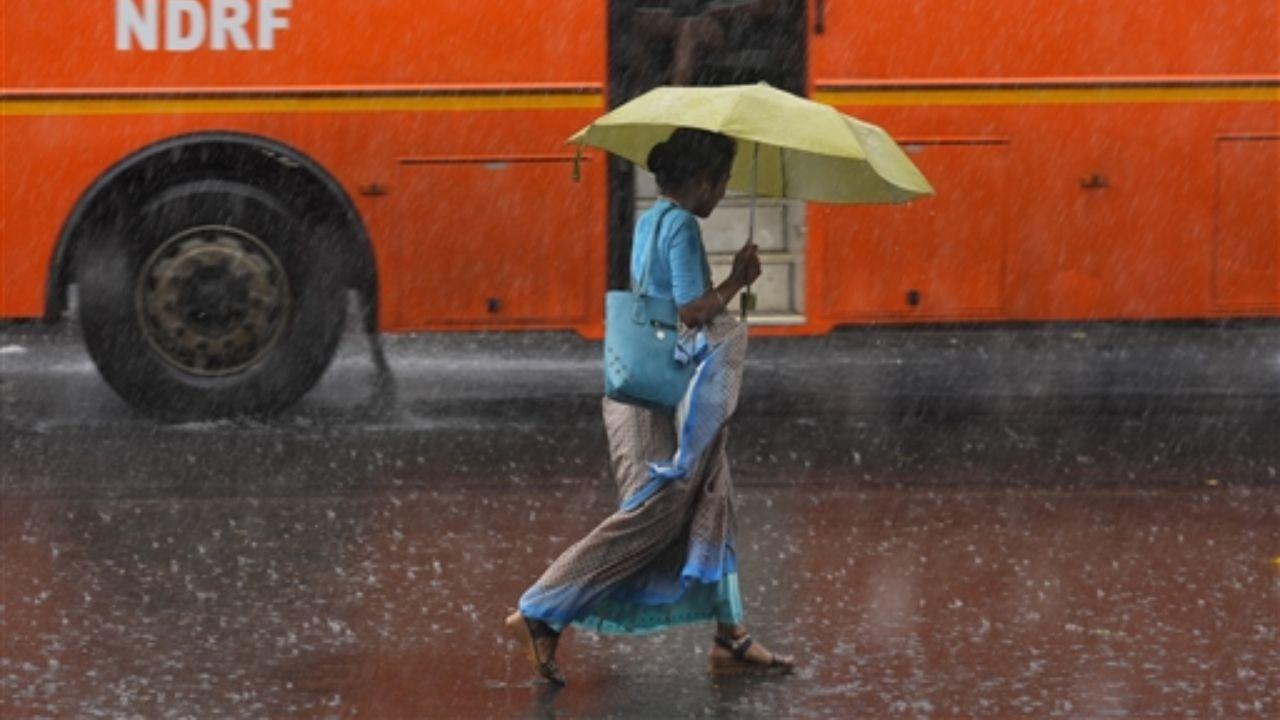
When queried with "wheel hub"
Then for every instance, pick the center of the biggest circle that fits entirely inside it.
(213, 300)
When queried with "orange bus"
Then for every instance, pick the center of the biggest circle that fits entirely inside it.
(211, 177)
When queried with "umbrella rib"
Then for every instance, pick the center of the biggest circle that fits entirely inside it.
(782, 169)
(730, 112)
(869, 158)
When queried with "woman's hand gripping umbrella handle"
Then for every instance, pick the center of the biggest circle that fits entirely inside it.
(746, 268)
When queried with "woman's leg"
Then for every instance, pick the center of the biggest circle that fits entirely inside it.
(616, 548)
(735, 650)
(539, 642)
(626, 541)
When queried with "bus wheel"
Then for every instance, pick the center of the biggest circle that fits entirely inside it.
(213, 299)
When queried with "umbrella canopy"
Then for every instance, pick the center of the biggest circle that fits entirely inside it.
(788, 147)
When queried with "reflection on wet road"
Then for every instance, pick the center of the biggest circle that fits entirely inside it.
(940, 602)
(345, 562)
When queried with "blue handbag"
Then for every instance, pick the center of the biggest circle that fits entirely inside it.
(640, 335)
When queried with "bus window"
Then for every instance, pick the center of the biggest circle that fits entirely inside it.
(692, 42)
(707, 42)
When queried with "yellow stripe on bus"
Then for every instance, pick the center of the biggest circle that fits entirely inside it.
(1047, 96)
(355, 104)
(594, 101)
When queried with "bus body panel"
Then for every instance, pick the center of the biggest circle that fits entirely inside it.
(1093, 160)
(1127, 225)
(1044, 39)
(452, 151)
(504, 190)
(327, 43)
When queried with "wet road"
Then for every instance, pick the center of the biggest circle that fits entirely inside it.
(1058, 523)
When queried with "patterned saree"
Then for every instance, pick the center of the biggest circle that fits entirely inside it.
(666, 556)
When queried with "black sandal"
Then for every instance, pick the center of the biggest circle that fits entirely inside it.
(527, 632)
(738, 662)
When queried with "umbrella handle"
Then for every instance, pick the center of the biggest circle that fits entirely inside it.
(746, 301)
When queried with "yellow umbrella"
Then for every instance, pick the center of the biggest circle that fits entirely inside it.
(788, 147)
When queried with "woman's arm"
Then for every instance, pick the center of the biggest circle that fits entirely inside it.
(746, 268)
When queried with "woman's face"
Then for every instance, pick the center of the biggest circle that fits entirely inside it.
(710, 192)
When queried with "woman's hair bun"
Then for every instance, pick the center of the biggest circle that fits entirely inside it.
(678, 159)
(659, 158)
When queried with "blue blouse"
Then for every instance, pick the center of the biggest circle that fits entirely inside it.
(680, 270)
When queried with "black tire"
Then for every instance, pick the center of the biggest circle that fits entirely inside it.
(144, 321)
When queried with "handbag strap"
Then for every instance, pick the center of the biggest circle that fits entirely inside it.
(638, 289)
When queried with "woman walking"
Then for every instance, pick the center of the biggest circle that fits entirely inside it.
(666, 557)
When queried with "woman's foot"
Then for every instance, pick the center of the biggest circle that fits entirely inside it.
(735, 652)
(539, 642)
